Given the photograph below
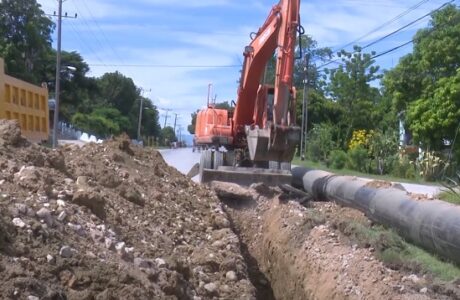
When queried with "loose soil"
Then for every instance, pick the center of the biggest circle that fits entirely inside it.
(114, 221)
(110, 221)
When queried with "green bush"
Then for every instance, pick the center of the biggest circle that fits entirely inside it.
(431, 166)
(338, 159)
(320, 142)
(403, 168)
(383, 148)
(358, 159)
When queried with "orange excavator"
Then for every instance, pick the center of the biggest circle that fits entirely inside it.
(256, 141)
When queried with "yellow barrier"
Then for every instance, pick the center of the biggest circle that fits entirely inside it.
(26, 103)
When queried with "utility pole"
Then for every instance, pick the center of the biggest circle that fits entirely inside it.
(58, 73)
(175, 121)
(58, 76)
(304, 109)
(166, 116)
(140, 114)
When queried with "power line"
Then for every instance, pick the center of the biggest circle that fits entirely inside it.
(86, 45)
(102, 32)
(393, 32)
(392, 49)
(404, 13)
(88, 26)
(409, 24)
(165, 66)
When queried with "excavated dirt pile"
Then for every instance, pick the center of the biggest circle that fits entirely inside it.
(110, 221)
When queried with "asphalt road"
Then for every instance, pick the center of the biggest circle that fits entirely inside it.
(182, 159)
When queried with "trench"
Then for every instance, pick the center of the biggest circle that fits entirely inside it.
(258, 278)
(272, 251)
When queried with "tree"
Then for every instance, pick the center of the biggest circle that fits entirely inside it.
(102, 122)
(425, 83)
(25, 38)
(168, 135)
(118, 91)
(350, 87)
(191, 127)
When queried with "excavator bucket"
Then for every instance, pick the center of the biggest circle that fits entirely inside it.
(217, 166)
(247, 176)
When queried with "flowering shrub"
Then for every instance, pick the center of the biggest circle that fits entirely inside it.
(360, 138)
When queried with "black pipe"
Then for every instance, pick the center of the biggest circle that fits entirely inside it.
(432, 224)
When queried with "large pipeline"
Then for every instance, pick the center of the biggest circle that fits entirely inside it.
(433, 225)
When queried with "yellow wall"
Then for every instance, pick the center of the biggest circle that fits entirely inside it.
(25, 102)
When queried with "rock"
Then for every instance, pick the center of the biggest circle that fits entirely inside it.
(27, 174)
(91, 200)
(61, 217)
(77, 228)
(424, 290)
(19, 223)
(124, 146)
(90, 254)
(67, 252)
(231, 191)
(55, 159)
(132, 195)
(263, 281)
(10, 132)
(45, 214)
(43, 199)
(22, 208)
(120, 247)
(31, 297)
(49, 258)
(95, 235)
(231, 275)
(68, 181)
(82, 181)
(220, 222)
(414, 278)
(142, 263)
(160, 262)
(211, 288)
(108, 243)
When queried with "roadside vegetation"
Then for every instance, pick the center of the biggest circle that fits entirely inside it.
(356, 111)
(393, 250)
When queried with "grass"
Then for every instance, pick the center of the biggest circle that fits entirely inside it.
(396, 253)
(348, 172)
(450, 197)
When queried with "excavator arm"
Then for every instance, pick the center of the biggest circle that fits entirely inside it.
(264, 116)
(262, 131)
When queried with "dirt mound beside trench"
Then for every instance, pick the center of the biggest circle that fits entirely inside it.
(110, 221)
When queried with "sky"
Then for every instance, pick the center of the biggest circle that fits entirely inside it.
(174, 48)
